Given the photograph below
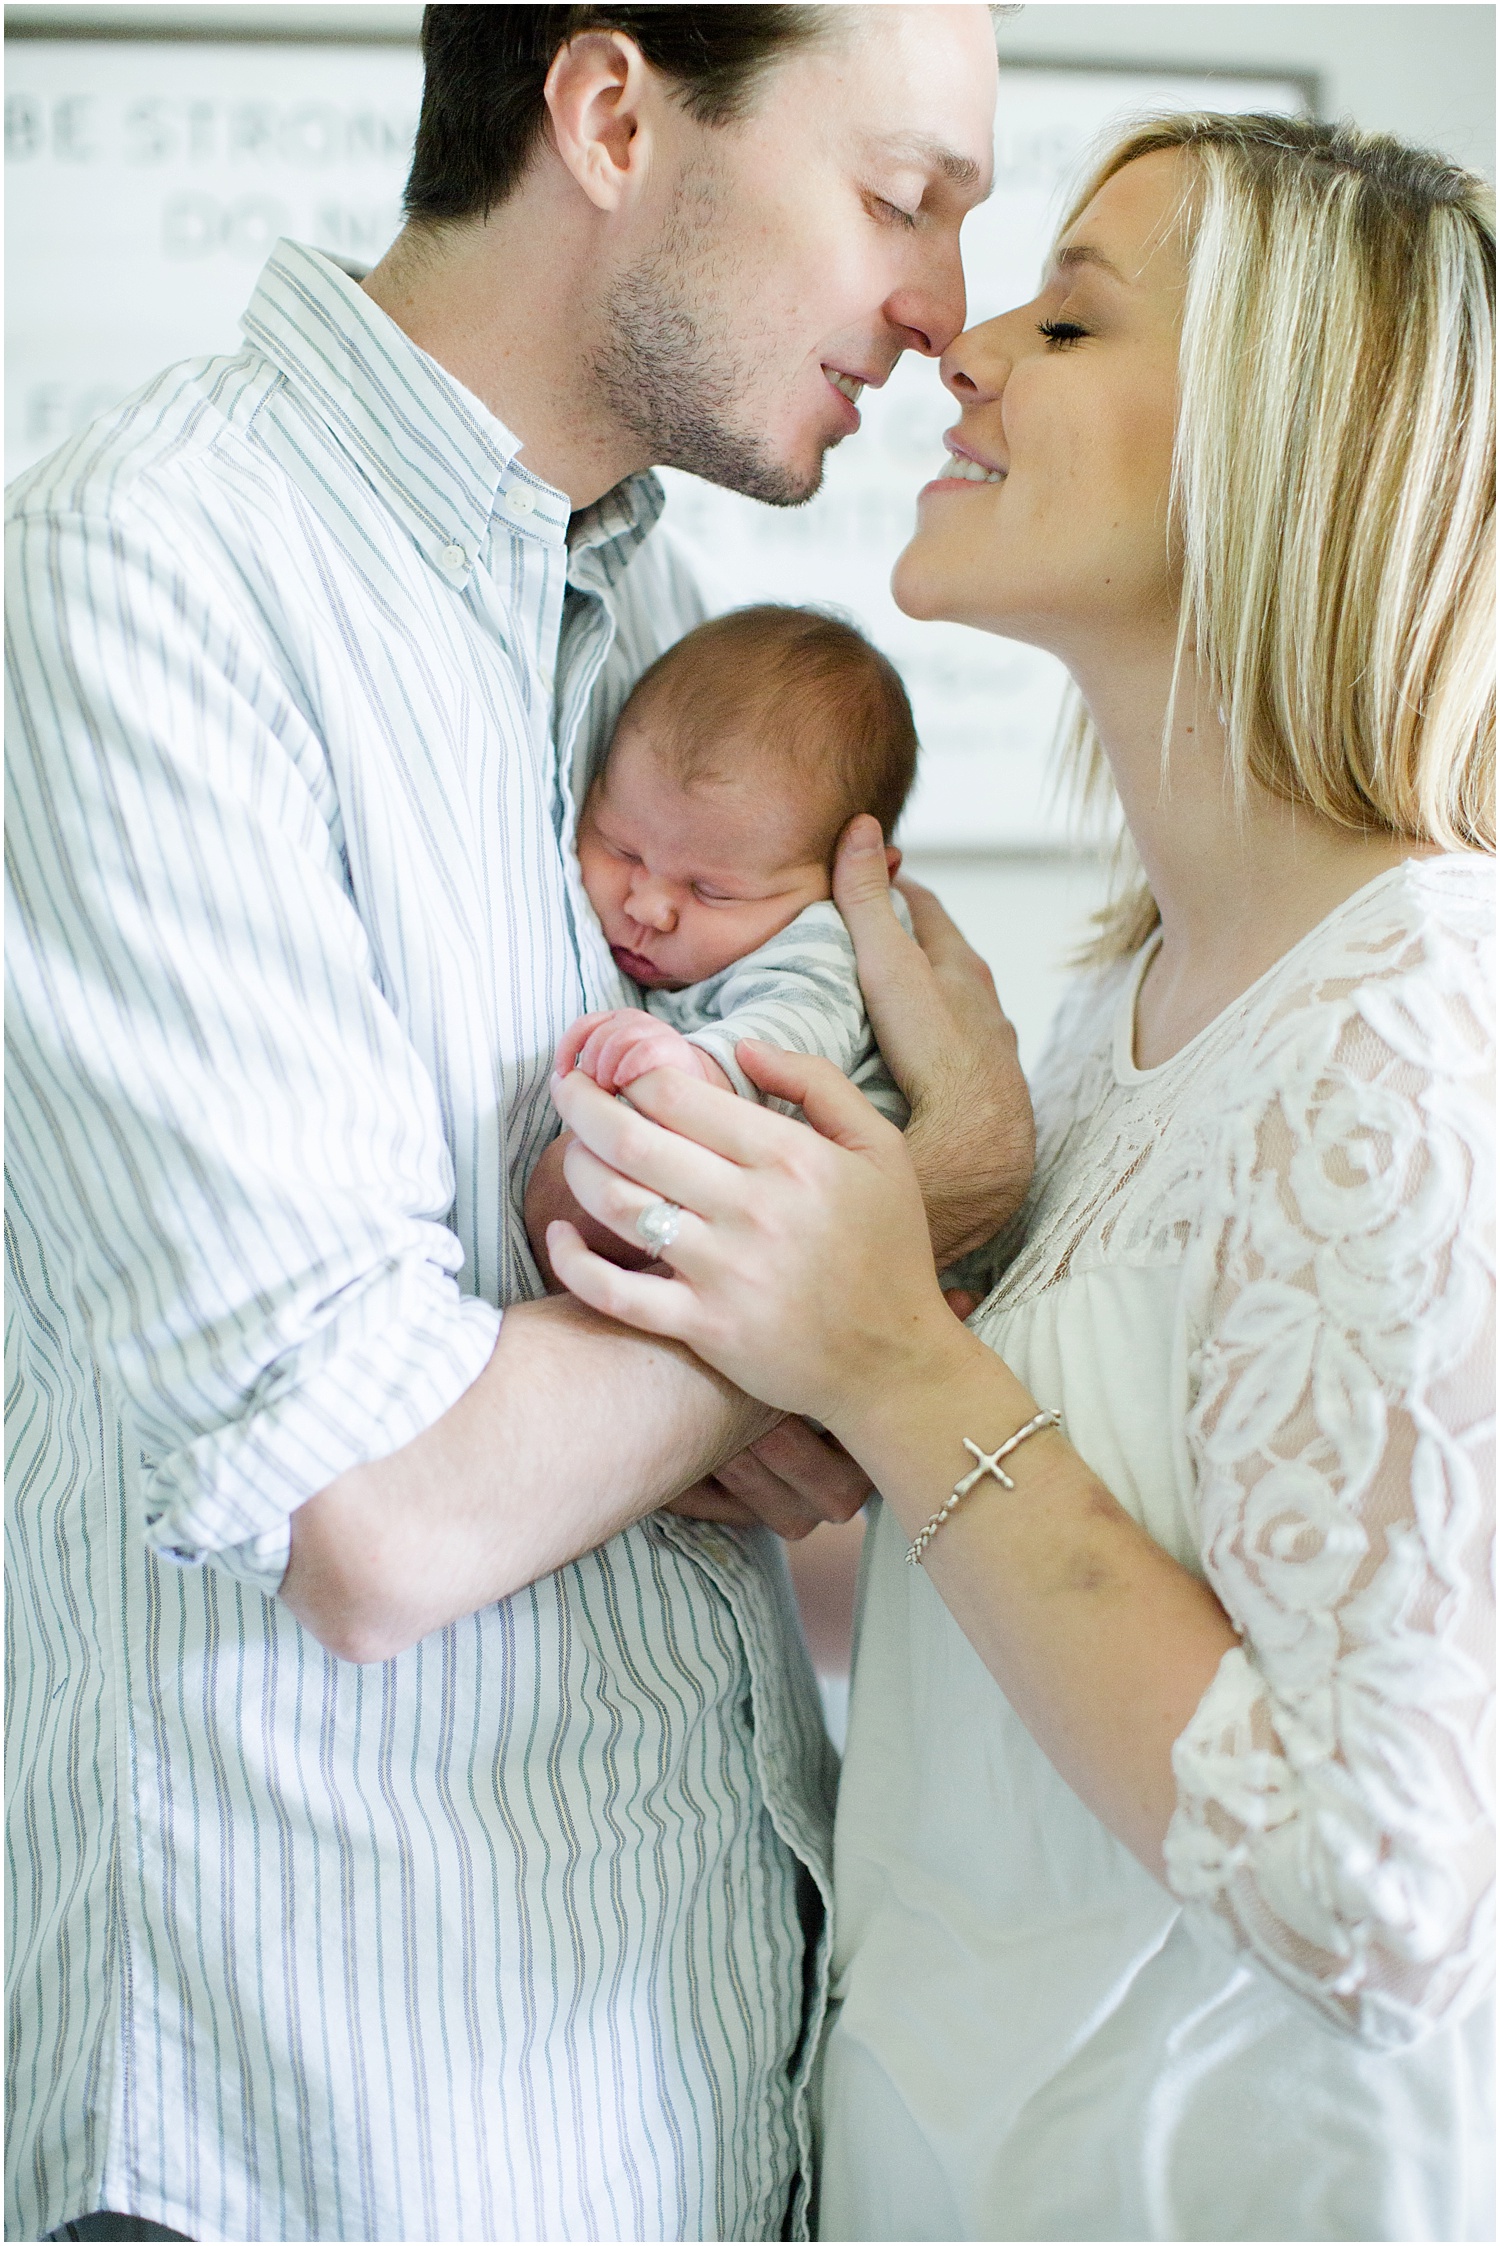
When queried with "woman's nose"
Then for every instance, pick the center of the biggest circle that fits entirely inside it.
(976, 365)
(652, 905)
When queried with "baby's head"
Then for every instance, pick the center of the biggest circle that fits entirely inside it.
(741, 756)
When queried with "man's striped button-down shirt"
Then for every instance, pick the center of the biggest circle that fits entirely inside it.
(501, 1939)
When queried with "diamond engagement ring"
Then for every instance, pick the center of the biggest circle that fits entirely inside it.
(656, 1226)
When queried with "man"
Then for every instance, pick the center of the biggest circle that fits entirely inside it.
(419, 1831)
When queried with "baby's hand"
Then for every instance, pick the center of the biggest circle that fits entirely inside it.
(615, 1048)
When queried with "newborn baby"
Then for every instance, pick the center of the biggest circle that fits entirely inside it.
(707, 839)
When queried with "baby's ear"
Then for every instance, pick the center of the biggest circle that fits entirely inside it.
(892, 860)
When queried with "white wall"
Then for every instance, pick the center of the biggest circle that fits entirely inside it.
(1025, 912)
(1424, 73)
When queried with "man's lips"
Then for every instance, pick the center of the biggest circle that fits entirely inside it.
(850, 388)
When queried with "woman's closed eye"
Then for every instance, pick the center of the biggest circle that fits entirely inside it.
(1061, 332)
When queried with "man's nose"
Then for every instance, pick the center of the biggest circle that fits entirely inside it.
(653, 905)
(930, 311)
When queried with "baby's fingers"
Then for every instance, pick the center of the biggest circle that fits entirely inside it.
(626, 1051)
(639, 1055)
(608, 1050)
(576, 1038)
(610, 1054)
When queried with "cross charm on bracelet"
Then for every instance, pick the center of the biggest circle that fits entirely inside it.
(988, 1464)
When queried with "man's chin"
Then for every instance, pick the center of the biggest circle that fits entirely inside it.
(797, 490)
(736, 465)
(786, 485)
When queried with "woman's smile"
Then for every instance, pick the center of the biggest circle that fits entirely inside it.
(1069, 402)
(965, 466)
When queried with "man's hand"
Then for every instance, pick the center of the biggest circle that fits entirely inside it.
(617, 1047)
(792, 1480)
(933, 1008)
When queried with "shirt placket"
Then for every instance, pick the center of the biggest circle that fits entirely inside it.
(566, 635)
(588, 634)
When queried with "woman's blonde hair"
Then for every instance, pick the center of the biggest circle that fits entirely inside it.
(1333, 478)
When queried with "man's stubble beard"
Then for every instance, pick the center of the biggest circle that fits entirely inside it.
(672, 385)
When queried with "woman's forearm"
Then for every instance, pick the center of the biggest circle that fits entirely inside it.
(1100, 1641)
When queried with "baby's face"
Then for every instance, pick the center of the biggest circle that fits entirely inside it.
(685, 880)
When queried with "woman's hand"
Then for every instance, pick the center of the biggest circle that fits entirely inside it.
(933, 1008)
(803, 1264)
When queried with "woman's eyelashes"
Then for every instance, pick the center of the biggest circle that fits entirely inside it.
(1061, 332)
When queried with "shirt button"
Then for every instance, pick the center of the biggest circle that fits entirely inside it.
(520, 501)
(454, 557)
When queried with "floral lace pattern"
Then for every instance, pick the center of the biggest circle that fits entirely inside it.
(1320, 1162)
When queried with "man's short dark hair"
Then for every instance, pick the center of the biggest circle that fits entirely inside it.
(483, 108)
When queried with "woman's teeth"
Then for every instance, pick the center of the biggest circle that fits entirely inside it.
(970, 471)
(846, 383)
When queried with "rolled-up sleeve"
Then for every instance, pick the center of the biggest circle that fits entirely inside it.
(219, 1130)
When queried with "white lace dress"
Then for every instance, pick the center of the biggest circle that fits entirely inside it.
(1258, 1281)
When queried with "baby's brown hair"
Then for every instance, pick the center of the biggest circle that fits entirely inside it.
(808, 687)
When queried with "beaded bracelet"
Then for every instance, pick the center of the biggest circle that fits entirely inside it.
(989, 1463)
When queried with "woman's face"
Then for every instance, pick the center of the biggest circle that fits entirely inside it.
(1052, 525)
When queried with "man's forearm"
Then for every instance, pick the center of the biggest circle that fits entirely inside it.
(574, 1429)
(971, 1186)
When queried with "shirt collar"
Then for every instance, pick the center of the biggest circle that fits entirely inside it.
(441, 460)
(603, 537)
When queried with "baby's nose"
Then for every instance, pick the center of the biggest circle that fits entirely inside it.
(652, 905)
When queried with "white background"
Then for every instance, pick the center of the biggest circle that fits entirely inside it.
(146, 183)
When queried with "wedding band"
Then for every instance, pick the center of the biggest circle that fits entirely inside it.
(656, 1226)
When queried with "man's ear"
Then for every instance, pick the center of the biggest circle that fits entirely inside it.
(892, 860)
(597, 91)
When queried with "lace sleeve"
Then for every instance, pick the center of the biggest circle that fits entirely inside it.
(1335, 1784)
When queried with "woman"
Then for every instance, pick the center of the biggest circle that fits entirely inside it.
(1163, 1845)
